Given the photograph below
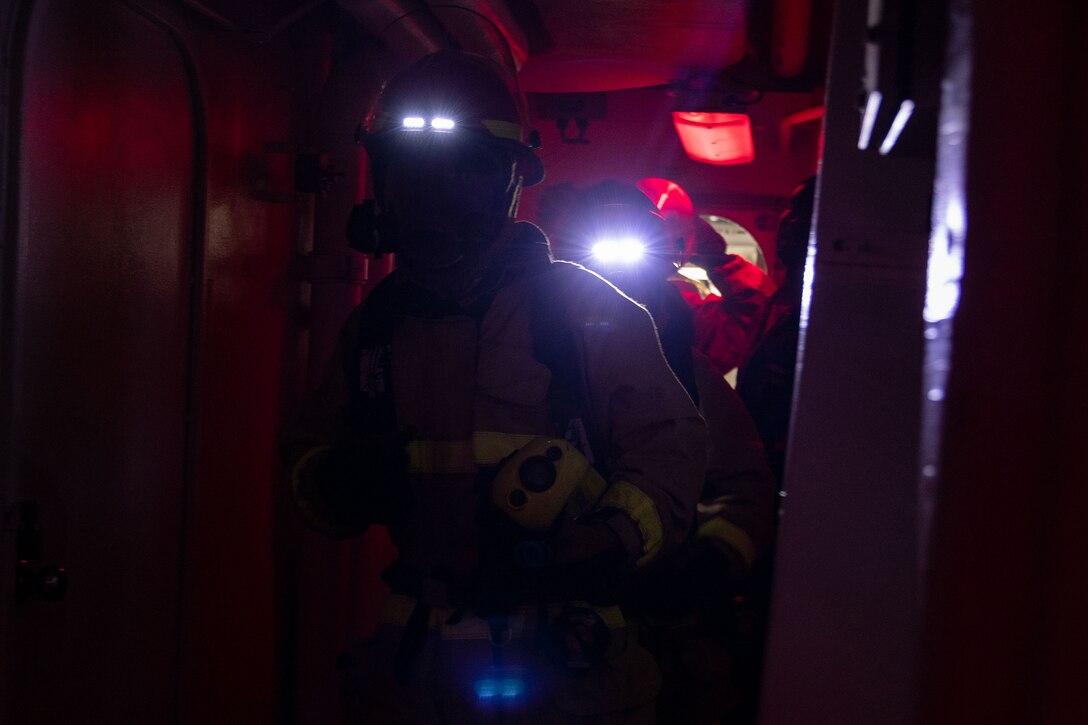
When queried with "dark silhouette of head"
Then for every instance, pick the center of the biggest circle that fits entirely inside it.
(795, 225)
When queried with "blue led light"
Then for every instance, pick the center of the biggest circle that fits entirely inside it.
(512, 687)
(487, 688)
(504, 686)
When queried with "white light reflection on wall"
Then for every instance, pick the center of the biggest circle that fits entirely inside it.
(809, 276)
(946, 263)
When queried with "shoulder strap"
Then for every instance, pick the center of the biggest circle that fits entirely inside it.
(373, 410)
(674, 321)
(555, 347)
(365, 357)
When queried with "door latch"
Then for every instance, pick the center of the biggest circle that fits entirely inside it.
(31, 579)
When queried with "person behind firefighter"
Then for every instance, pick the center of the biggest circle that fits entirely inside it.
(478, 362)
(684, 600)
(766, 381)
(728, 325)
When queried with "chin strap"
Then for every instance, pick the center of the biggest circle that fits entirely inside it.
(372, 229)
(370, 232)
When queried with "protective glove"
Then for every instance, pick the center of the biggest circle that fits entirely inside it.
(737, 277)
(710, 262)
(586, 560)
(364, 481)
(695, 575)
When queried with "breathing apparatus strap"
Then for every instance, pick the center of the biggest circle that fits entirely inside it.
(554, 345)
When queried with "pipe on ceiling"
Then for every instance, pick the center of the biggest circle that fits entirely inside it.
(405, 26)
(414, 27)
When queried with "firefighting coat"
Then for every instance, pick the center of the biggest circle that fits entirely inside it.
(727, 328)
(736, 508)
(473, 384)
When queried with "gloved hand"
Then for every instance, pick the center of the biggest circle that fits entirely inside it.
(710, 262)
(674, 586)
(364, 481)
(586, 561)
(735, 276)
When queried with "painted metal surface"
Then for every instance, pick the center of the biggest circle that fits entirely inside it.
(154, 336)
(147, 298)
(97, 333)
(1006, 640)
(845, 620)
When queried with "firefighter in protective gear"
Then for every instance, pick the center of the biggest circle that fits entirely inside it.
(766, 381)
(729, 314)
(614, 229)
(475, 346)
(727, 327)
(684, 598)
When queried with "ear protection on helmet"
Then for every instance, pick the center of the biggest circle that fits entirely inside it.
(369, 231)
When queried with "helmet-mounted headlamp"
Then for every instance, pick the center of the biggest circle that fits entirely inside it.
(418, 123)
(622, 250)
(457, 96)
(616, 230)
(620, 235)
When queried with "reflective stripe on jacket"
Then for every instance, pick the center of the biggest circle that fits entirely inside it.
(473, 392)
(736, 509)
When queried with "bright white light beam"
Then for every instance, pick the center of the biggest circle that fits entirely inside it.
(626, 250)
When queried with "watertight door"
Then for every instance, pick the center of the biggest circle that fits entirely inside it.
(99, 209)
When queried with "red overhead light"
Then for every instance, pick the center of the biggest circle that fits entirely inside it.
(715, 138)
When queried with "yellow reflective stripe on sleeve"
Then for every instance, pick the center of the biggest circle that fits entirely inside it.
(486, 448)
(303, 487)
(717, 505)
(502, 129)
(441, 457)
(398, 608)
(491, 447)
(612, 616)
(631, 500)
(731, 534)
(298, 470)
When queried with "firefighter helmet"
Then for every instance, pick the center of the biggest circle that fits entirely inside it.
(454, 97)
(795, 225)
(612, 226)
(676, 206)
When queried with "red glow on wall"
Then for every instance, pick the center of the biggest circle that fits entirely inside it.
(715, 138)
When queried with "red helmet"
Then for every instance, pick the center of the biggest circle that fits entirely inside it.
(675, 205)
(463, 98)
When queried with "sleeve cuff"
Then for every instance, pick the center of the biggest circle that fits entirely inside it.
(626, 530)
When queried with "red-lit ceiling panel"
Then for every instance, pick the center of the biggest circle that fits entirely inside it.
(611, 44)
(716, 138)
